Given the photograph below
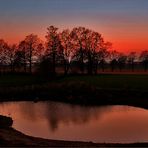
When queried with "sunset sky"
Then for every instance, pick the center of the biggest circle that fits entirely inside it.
(122, 22)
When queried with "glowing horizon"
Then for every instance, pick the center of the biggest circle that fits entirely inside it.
(124, 23)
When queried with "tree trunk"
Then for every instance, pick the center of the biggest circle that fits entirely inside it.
(66, 67)
(30, 61)
(53, 65)
(133, 67)
(89, 64)
(82, 62)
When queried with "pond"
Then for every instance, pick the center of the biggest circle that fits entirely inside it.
(61, 121)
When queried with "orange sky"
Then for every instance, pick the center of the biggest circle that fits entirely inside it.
(124, 23)
(121, 40)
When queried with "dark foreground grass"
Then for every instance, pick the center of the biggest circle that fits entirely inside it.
(100, 89)
(19, 80)
(104, 81)
(112, 81)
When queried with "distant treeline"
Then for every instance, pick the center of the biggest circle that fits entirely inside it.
(69, 51)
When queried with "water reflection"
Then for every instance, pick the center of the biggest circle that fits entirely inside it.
(72, 122)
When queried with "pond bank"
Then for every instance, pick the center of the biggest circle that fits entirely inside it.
(76, 93)
(12, 137)
(84, 90)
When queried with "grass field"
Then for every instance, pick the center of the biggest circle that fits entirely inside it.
(113, 81)
(19, 80)
(106, 81)
(92, 90)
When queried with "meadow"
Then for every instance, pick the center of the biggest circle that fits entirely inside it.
(102, 81)
(101, 89)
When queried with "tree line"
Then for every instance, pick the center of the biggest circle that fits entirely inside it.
(81, 49)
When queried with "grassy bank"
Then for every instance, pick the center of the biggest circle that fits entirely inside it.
(122, 81)
(14, 80)
(87, 90)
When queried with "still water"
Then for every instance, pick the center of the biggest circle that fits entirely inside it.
(72, 122)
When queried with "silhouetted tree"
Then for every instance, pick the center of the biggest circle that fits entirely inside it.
(11, 51)
(78, 40)
(89, 43)
(21, 55)
(38, 59)
(3, 53)
(32, 49)
(113, 55)
(96, 46)
(131, 60)
(66, 49)
(41, 51)
(88, 37)
(45, 67)
(144, 59)
(80, 45)
(103, 54)
(19, 61)
(122, 61)
(53, 46)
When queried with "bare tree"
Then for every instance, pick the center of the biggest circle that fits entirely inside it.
(53, 45)
(131, 60)
(103, 54)
(21, 55)
(113, 56)
(94, 45)
(89, 50)
(78, 36)
(3, 53)
(32, 49)
(11, 51)
(144, 59)
(122, 61)
(67, 50)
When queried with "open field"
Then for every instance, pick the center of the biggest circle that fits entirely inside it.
(87, 90)
(119, 80)
(112, 81)
(11, 80)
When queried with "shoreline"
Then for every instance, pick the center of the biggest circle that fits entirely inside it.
(12, 137)
(83, 90)
(80, 95)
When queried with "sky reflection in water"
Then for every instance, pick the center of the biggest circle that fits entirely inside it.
(72, 122)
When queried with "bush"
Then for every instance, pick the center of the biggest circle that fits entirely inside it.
(5, 121)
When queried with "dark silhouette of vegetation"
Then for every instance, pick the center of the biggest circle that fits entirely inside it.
(45, 67)
(32, 43)
(66, 49)
(144, 59)
(5, 122)
(53, 47)
(113, 59)
(122, 61)
(78, 50)
(131, 60)
(102, 55)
